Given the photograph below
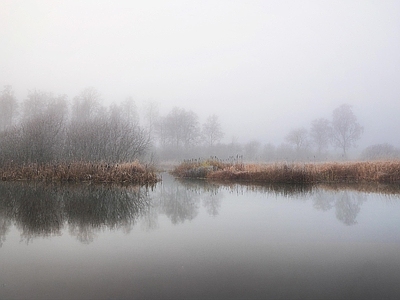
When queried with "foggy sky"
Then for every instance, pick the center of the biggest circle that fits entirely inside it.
(264, 67)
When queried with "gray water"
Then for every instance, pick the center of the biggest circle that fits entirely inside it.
(188, 240)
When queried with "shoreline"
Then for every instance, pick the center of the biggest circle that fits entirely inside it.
(383, 172)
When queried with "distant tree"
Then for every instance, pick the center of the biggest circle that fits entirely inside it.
(298, 138)
(251, 150)
(41, 131)
(151, 116)
(320, 133)
(8, 107)
(112, 135)
(35, 104)
(181, 128)
(212, 131)
(235, 149)
(269, 152)
(10, 145)
(86, 105)
(161, 130)
(87, 135)
(345, 128)
(285, 152)
(127, 140)
(380, 151)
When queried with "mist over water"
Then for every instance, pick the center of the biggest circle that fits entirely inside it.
(193, 239)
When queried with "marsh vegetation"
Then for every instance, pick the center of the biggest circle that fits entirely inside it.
(386, 172)
(81, 172)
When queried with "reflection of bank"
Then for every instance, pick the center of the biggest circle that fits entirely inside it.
(44, 210)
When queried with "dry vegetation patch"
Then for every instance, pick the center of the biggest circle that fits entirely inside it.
(133, 172)
(333, 172)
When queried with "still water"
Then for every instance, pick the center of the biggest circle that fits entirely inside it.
(187, 240)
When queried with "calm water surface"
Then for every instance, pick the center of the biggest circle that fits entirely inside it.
(187, 240)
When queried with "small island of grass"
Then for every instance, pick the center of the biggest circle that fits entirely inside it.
(387, 172)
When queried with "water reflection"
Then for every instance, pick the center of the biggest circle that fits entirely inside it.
(46, 210)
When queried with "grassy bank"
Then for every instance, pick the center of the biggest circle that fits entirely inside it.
(81, 172)
(297, 173)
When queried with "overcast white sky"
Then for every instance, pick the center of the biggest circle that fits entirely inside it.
(264, 67)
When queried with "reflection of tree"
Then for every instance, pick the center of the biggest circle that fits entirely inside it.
(5, 224)
(208, 192)
(149, 221)
(323, 200)
(96, 207)
(179, 203)
(212, 201)
(347, 204)
(180, 199)
(36, 210)
(43, 210)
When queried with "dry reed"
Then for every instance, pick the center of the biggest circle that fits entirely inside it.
(301, 173)
(133, 172)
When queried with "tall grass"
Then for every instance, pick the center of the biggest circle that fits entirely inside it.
(133, 172)
(332, 172)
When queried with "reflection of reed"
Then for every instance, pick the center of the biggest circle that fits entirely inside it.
(286, 190)
(376, 188)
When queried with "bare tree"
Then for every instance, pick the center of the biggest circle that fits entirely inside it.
(212, 131)
(380, 151)
(112, 135)
(152, 116)
(251, 150)
(345, 128)
(8, 107)
(298, 138)
(181, 128)
(127, 139)
(160, 128)
(41, 131)
(321, 132)
(86, 105)
(35, 104)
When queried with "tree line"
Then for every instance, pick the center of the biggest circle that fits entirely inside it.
(51, 128)
(47, 128)
(342, 132)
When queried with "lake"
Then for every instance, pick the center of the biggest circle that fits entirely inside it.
(194, 240)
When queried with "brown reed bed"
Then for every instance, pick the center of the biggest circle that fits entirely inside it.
(385, 172)
(132, 172)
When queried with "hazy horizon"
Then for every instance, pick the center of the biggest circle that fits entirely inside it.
(264, 67)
